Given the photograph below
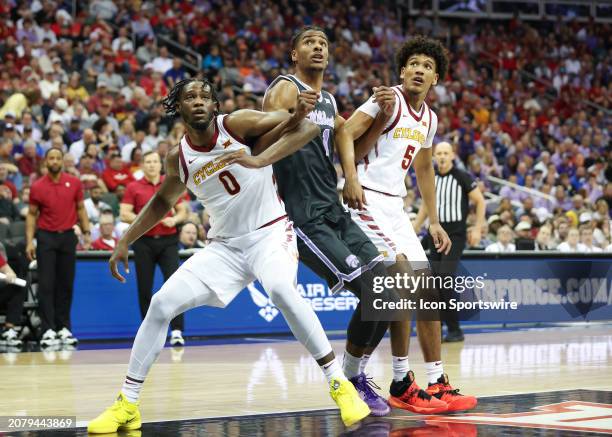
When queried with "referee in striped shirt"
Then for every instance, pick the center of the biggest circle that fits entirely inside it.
(454, 190)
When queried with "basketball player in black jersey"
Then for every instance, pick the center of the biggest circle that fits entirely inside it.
(329, 242)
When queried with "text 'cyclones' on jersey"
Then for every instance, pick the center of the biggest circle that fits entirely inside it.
(384, 168)
(239, 200)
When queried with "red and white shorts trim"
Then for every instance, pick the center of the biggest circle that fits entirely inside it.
(388, 226)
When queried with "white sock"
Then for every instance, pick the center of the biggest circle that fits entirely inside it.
(332, 370)
(401, 366)
(434, 370)
(350, 365)
(131, 388)
(363, 363)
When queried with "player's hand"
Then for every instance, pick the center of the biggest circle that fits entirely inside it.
(169, 222)
(305, 103)
(476, 235)
(31, 251)
(87, 241)
(120, 255)
(353, 194)
(440, 239)
(10, 276)
(242, 158)
(385, 97)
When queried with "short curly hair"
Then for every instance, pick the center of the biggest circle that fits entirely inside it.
(420, 45)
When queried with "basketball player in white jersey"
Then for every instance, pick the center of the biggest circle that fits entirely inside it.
(395, 129)
(251, 237)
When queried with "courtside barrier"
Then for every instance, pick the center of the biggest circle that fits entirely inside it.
(545, 287)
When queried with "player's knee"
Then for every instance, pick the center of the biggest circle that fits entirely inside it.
(281, 289)
(284, 297)
(159, 308)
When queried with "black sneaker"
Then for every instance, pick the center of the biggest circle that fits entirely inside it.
(454, 336)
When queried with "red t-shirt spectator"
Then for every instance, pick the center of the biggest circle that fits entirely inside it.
(11, 186)
(2, 261)
(101, 244)
(27, 165)
(113, 178)
(56, 201)
(137, 194)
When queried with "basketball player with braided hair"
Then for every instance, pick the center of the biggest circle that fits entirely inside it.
(251, 237)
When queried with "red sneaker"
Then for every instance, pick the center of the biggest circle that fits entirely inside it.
(456, 402)
(407, 395)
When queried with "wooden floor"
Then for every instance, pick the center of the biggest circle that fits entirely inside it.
(270, 377)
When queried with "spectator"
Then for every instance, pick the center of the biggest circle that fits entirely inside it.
(117, 173)
(107, 239)
(113, 81)
(543, 239)
(89, 176)
(586, 238)
(188, 237)
(176, 73)
(105, 9)
(94, 205)
(571, 243)
(122, 41)
(8, 209)
(77, 148)
(74, 132)
(49, 85)
(4, 171)
(24, 202)
(212, 61)
(523, 240)
(153, 138)
(59, 113)
(147, 52)
(29, 162)
(56, 201)
(162, 63)
(141, 26)
(137, 143)
(14, 297)
(504, 241)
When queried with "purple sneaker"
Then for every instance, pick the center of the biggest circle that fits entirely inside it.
(365, 387)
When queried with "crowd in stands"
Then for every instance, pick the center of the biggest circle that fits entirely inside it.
(528, 103)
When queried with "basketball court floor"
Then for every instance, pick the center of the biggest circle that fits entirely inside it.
(553, 381)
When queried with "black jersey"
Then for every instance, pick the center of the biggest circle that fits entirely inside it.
(307, 179)
(452, 199)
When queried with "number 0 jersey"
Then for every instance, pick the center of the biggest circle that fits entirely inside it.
(307, 179)
(238, 200)
(384, 168)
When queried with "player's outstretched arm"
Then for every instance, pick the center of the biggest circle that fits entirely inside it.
(254, 124)
(162, 201)
(285, 97)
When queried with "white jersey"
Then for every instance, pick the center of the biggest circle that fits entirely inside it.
(238, 200)
(385, 167)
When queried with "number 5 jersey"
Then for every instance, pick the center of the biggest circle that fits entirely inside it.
(384, 168)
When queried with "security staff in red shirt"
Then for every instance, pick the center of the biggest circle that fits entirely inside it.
(56, 201)
(159, 245)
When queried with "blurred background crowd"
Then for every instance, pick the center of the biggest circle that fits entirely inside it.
(526, 105)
